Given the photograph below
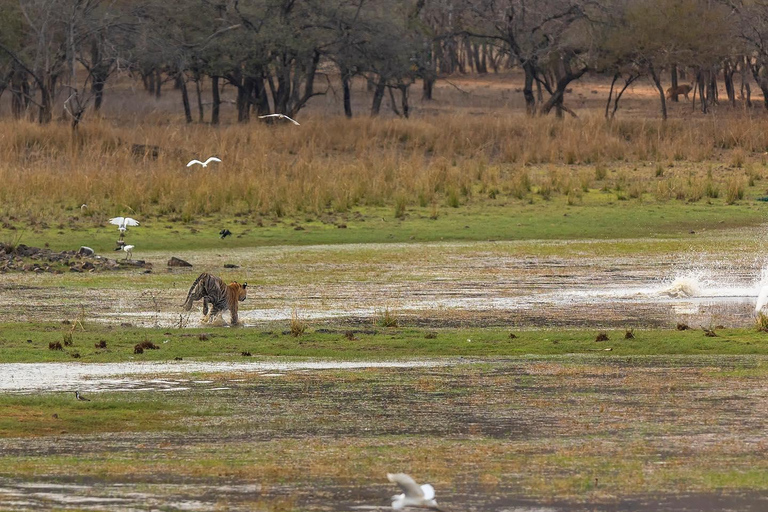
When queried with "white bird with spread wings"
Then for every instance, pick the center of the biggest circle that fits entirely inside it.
(204, 164)
(415, 495)
(123, 223)
(280, 116)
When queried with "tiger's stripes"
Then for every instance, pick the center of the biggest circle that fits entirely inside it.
(220, 296)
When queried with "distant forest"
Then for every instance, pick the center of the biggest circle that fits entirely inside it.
(278, 54)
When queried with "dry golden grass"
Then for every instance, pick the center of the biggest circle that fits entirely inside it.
(340, 164)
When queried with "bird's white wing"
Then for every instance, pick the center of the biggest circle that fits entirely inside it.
(762, 299)
(291, 120)
(212, 159)
(269, 115)
(117, 221)
(130, 222)
(127, 248)
(407, 484)
(429, 492)
(193, 162)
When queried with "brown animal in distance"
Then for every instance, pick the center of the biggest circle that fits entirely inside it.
(680, 89)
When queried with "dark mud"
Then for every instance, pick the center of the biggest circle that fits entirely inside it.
(520, 434)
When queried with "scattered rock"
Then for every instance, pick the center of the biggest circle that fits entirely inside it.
(231, 265)
(85, 251)
(178, 262)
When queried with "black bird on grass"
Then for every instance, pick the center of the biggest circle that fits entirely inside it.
(81, 397)
(224, 233)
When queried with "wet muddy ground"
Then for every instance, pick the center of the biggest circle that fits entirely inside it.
(523, 434)
(432, 284)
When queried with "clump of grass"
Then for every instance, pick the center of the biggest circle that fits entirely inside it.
(298, 326)
(387, 318)
(55, 345)
(67, 339)
(602, 336)
(100, 344)
(734, 191)
(629, 334)
(761, 322)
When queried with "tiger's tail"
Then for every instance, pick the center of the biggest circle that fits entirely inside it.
(191, 294)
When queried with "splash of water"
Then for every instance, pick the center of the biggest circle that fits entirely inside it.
(684, 286)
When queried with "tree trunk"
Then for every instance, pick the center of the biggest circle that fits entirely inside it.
(745, 83)
(158, 83)
(199, 91)
(610, 93)
(657, 82)
(674, 84)
(182, 84)
(556, 100)
(530, 74)
(216, 100)
(378, 95)
(427, 88)
(701, 84)
(346, 86)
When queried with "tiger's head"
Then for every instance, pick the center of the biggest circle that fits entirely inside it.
(235, 293)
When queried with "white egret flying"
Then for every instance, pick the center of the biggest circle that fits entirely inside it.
(280, 116)
(204, 164)
(414, 495)
(122, 223)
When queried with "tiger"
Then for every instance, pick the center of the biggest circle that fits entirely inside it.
(221, 296)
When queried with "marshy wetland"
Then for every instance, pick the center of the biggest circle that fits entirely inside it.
(514, 310)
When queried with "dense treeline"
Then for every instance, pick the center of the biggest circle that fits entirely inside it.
(278, 54)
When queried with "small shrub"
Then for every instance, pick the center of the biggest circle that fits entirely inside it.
(600, 172)
(682, 327)
(76, 355)
(55, 345)
(388, 319)
(67, 339)
(761, 322)
(430, 335)
(298, 326)
(630, 334)
(137, 349)
(734, 191)
(100, 344)
(602, 337)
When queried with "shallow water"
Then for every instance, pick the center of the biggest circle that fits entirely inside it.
(484, 287)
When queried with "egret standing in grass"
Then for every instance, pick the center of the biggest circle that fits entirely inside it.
(280, 116)
(414, 495)
(204, 164)
(122, 224)
(762, 299)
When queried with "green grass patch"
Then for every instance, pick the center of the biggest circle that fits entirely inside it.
(62, 413)
(30, 342)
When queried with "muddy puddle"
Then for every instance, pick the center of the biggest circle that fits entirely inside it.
(97, 377)
(482, 287)
(202, 497)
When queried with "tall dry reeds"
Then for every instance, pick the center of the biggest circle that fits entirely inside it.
(339, 164)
